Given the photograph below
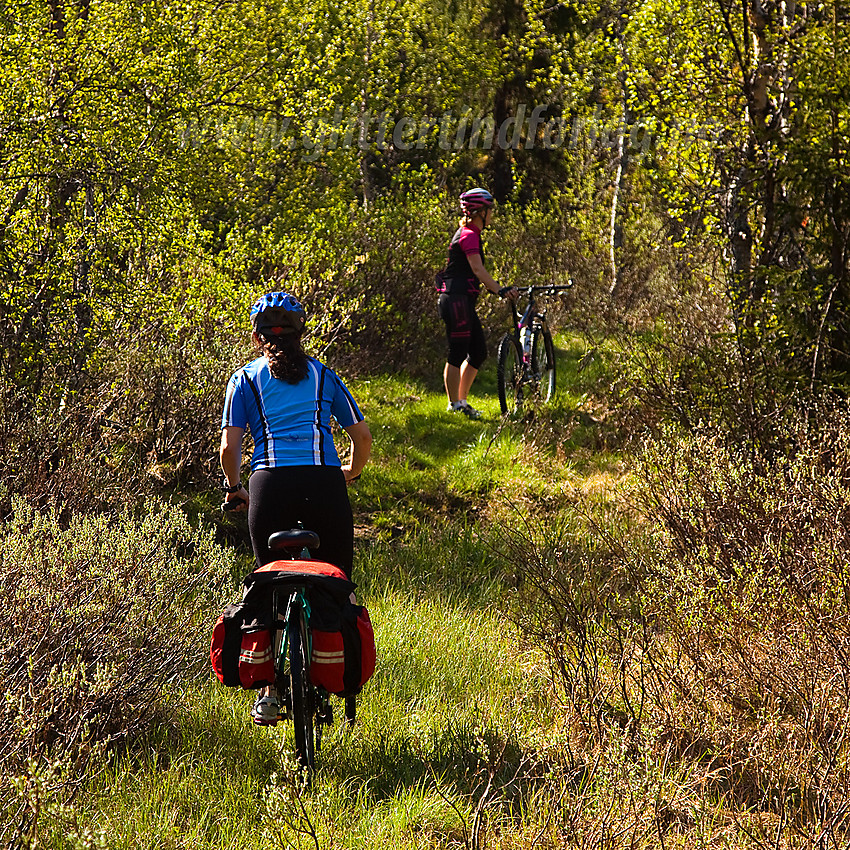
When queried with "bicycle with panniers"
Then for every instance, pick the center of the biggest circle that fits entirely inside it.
(299, 635)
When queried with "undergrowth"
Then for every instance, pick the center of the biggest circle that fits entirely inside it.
(698, 634)
(577, 648)
(95, 617)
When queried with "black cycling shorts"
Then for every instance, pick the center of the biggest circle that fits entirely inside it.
(464, 334)
(315, 496)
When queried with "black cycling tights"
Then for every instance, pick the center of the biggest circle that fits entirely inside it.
(315, 496)
(464, 333)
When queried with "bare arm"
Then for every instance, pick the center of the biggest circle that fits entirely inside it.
(361, 448)
(477, 266)
(230, 456)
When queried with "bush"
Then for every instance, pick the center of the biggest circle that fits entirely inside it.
(754, 592)
(705, 625)
(142, 415)
(99, 620)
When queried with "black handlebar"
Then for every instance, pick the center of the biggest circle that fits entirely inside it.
(543, 288)
(554, 287)
(232, 504)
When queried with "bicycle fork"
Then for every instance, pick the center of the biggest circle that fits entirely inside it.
(525, 344)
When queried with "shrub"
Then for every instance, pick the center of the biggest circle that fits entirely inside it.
(142, 415)
(99, 619)
(705, 624)
(754, 592)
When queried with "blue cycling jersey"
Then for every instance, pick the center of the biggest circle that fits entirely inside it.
(289, 423)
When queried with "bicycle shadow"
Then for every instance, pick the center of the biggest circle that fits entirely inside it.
(460, 758)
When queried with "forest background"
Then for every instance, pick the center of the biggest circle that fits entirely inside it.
(685, 164)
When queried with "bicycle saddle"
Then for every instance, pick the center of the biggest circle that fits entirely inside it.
(295, 539)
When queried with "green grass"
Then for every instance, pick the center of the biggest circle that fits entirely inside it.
(453, 689)
(459, 703)
(428, 465)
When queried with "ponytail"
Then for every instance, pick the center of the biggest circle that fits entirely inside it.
(286, 356)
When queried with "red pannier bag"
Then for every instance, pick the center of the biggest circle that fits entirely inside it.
(343, 653)
(330, 578)
(343, 643)
(241, 649)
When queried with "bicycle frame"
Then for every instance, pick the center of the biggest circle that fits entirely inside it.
(296, 597)
(530, 318)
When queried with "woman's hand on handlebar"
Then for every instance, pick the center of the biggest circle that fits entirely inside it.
(508, 292)
(236, 502)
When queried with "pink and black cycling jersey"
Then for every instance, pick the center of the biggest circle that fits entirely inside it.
(458, 276)
(289, 423)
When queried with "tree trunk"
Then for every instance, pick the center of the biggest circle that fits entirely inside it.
(503, 180)
(363, 135)
(615, 235)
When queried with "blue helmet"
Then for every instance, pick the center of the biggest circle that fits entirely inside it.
(476, 199)
(277, 314)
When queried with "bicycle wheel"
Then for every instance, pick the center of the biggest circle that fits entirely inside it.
(301, 688)
(509, 375)
(543, 363)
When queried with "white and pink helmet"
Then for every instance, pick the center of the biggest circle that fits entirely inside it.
(474, 200)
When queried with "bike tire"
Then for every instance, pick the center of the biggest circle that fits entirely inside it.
(543, 363)
(509, 375)
(303, 708)
(350, 710)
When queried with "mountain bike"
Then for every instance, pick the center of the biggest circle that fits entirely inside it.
(526, 358)
(308, 705)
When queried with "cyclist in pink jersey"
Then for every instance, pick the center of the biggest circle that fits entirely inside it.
(459, 285)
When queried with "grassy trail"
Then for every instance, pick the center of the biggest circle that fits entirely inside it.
(453, 730)
(453, 694)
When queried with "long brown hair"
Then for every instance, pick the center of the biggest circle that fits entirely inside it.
(286, 355)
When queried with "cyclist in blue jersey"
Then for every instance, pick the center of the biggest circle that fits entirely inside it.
(459, 285)
(286, 400)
